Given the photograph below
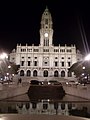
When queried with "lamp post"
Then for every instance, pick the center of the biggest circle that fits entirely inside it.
(9, 67)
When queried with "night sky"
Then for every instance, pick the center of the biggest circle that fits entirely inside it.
(20, 22)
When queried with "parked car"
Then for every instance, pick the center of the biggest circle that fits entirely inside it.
(72, 82)
(34, 82)
(54, 82)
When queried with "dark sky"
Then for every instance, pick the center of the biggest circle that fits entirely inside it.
(20, 22)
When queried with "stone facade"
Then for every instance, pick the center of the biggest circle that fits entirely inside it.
(45, 60)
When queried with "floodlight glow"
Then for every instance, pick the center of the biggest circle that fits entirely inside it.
(87, 57)
(3, 56)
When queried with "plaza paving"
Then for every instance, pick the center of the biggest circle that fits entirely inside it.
(38, 117)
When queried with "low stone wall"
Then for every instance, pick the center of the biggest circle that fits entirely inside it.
(77, 90)
(13, 90)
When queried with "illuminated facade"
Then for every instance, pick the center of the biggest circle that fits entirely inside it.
(45, 60)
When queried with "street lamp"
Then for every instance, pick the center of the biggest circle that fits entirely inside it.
(83, 67)
(9, 66)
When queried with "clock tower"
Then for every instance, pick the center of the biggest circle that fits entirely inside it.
(46, 31)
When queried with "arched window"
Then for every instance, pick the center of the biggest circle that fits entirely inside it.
(22, 73)
(63, 106)
(34, 105)
(45, 106)
(56, 73)
(20, 105)
(45, 73)
(27, 105)
(62, 73)
(55, 105)
(34, 73)
(69, 106)
(69, 74)
(28, 73)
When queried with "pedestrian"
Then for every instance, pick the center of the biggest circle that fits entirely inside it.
(19, 81)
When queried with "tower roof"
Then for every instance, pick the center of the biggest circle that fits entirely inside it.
(46, 9)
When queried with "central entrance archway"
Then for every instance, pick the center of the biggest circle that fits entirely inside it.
(45, 73)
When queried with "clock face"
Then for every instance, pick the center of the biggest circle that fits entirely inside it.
(46, 34)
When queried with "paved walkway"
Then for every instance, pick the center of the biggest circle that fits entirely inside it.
(38, 117)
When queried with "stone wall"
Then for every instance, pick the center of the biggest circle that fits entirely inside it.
(13, 91)
(78, 90)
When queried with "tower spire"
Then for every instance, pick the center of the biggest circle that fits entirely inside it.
(46, 31)
(46, 7)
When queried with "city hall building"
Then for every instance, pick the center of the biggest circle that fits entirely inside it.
(45, 60)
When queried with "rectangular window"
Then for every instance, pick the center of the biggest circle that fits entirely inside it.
(56, 50)
(62, 64)
(35, 50)
(56, 64)
(22, 63)
(68, 64)
(46, 21)
(35, 63)
(28, 63)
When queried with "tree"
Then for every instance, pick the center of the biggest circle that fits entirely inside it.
(7, 67)
(81, 70)
(76, 68)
